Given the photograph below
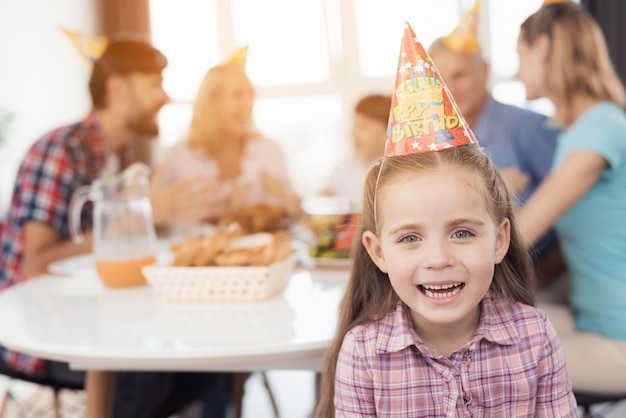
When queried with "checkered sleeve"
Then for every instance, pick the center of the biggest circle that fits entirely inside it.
(554, 390)
(354, 388)
(46, 180)
(43, 186)
(29, 365)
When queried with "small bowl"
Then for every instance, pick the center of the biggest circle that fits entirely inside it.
(333, 222)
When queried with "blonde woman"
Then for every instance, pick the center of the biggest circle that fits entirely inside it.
(223, 148)
(563, 56)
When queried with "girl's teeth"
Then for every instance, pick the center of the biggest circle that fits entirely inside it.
(442, 295)
(440, 287)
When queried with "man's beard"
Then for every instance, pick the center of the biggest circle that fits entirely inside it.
(143, 125)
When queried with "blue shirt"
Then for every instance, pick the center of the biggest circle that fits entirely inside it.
(593, 231)
(516, 137)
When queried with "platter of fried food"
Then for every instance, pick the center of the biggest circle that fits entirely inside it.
(230, 246)
(225, 265)
(257, 218)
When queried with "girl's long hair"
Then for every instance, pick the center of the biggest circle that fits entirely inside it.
(369, 295)
(578, 60)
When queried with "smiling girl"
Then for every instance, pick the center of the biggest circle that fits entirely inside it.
(438, 318)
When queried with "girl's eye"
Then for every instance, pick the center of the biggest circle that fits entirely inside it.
(463, 233)
(409, 238)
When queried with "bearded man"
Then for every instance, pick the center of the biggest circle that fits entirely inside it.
(127, 94)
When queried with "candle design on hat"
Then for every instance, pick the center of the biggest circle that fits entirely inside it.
(90, 46)
(423, 114)
(464, 37)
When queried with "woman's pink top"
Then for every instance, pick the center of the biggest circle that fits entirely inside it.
(261, 158)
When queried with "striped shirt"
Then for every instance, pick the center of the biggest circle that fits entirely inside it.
(512, 367)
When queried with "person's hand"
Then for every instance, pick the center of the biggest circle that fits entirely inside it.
(515, 179)
(238, 197)
(185, 200)
(293, 206)
(273, 186)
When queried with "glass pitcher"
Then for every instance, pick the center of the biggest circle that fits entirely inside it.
(124, 238)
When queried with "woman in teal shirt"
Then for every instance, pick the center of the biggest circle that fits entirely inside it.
(563, 56)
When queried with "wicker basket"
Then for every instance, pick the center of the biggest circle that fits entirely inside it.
(224, 284)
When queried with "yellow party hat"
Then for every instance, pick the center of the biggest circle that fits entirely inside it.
(90, 46)
(239, 57)
(464, 37)
(423, 114)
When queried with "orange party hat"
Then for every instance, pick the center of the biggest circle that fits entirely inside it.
(554, 1)
(90, 46)
(464, 37)
(423, 114)
(240, 57)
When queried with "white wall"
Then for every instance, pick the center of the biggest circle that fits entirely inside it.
(43, 78)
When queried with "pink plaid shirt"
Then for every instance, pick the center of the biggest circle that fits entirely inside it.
(512, 367)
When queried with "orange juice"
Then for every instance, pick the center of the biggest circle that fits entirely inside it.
(123, 273)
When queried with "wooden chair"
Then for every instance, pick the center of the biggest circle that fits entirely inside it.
(585, 400)
(55, 386)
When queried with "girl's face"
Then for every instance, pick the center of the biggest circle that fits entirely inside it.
(368, 136)
(439, 246)
(234, 104)
(532, 66)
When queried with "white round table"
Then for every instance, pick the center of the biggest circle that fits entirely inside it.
(77, 320)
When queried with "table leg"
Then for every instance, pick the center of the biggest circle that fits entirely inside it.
(318, 387)
(99, 388)
(237, 391)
